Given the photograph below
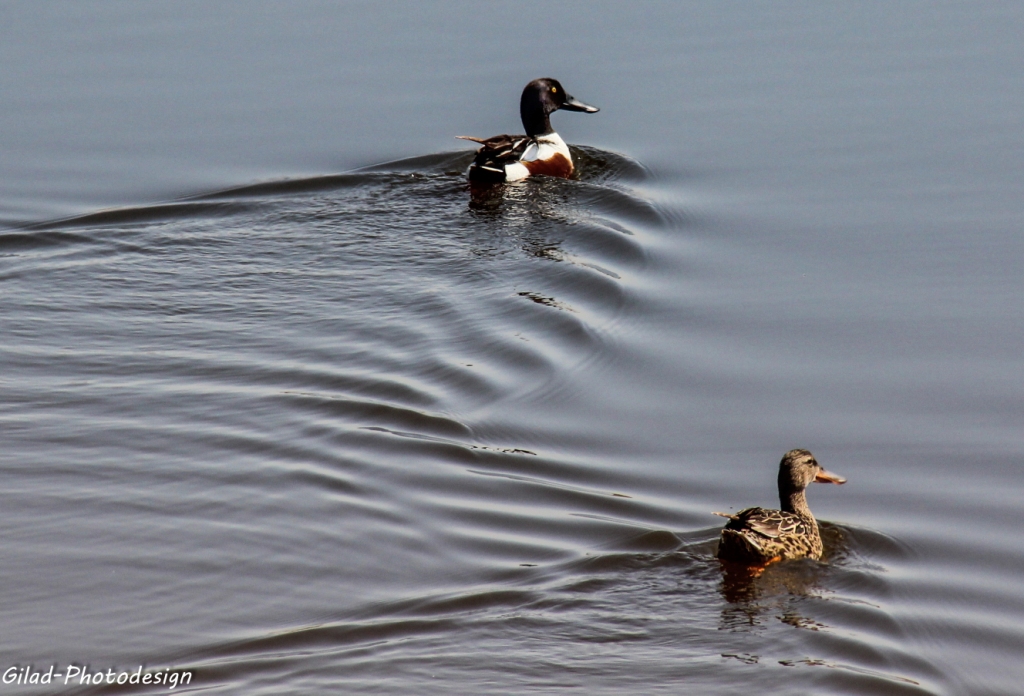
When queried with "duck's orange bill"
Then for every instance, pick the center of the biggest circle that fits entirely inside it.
(828, 477)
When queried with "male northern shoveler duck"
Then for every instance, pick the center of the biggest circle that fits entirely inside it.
(757, 536)
(541, 151)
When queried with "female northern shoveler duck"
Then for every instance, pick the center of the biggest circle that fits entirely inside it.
(541, 151)
(757, 536)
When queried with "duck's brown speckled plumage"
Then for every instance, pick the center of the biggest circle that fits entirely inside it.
(760, 535)
(757, 536)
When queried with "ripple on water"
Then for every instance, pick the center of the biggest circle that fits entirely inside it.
(287, 402)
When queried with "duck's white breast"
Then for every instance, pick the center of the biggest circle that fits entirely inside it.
(546, 147)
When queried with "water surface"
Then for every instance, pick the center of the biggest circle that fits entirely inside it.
(300, 422)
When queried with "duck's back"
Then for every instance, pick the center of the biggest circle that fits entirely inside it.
(515, 157)
(494, 155)
(760, 535)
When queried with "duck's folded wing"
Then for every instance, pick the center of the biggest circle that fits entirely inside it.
(498, 151)
(767, 523)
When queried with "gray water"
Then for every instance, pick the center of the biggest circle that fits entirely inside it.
(284, 407)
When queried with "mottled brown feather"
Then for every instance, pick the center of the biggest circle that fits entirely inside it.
(757, 536)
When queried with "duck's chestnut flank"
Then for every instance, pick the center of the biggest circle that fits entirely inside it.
(555, 165)
(541, 151)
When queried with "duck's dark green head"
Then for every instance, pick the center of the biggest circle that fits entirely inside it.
(543, 97)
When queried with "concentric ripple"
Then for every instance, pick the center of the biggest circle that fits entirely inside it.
(365, 431)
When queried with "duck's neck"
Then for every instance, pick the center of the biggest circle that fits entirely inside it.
(535, 120)
(795, 502)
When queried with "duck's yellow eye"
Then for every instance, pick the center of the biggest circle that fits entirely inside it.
(554, 89)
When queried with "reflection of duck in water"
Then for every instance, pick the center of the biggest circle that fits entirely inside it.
(541, 151)
(758, 536)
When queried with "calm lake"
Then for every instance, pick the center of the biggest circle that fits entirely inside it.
(284, 408)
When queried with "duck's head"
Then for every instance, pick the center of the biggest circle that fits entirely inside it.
(798, 469)
(543, 97)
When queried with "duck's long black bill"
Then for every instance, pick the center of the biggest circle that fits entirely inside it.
(574, 104)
